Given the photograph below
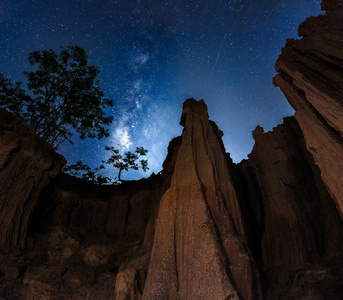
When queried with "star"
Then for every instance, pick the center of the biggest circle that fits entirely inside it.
(153, 56)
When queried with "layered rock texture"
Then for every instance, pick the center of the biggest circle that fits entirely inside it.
(27, 165)
(295, 227)
(311, 77)
(200, 249)
(270, 227)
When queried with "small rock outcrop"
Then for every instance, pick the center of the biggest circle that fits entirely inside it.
(27, 165)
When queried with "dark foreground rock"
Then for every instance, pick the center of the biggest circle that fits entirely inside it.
(294, 225)
(27, 164)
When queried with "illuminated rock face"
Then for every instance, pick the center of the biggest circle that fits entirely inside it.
(311, 77)
(199, 249)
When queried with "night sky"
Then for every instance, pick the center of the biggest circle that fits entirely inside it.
(153, 55)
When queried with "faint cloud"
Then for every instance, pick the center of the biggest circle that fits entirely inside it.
(142, 58)
(136, 85)
(138, 94)
(121, 136)
(138, 59)
(156, 133)
(138, 105)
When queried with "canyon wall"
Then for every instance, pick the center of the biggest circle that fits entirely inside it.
(291, 186)
(293, 221)
(311, 77)
(60, 232)
(204, 228)
(116, 211)
(27, 165)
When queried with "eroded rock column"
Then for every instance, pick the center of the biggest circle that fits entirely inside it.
(311, 77)
(199, 249)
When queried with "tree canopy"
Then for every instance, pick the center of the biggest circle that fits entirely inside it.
(62, 96)
(81, 170)
(128, 161)
(116, 160)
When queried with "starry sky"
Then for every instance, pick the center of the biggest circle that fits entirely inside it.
(153, 55)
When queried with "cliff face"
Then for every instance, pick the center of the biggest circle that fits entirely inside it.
(27, 165)
(61, 233)
(291, 186)
(294, 224)
(268, 228)
(116, 211)
(311, 77)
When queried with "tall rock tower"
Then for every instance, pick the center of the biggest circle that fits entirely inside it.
(199, 249)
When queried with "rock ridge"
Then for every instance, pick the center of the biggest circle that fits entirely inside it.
(311, 77)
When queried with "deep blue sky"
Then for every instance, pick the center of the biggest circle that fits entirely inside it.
(153, 55)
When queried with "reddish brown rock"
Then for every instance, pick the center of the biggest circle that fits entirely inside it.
(27, 164)
(126, 285)
(301, 222)
(311, 77)
(294, 227)
(199, 249)
(62, 245)
(114, 210)
(281, 209)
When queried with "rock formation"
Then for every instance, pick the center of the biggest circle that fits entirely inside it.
(311, 77)
(270, 227)
(199, 249)
(117, 211)
(27, 164)
(294, 224)
(293, 188)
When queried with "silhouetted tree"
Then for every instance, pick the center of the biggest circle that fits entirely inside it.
(116, 160)
(81, 170)
(62, 96)
(128, 161)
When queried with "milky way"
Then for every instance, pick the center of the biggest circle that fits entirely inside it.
(152, 55)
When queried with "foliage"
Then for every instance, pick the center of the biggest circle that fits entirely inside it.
(128, 161)
(79, 169)
(119, 162)
(63, 96)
